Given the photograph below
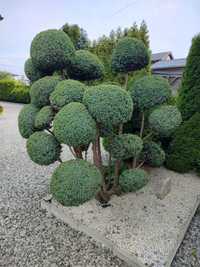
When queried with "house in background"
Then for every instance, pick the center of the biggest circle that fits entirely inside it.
(161, 56)
(165, 65)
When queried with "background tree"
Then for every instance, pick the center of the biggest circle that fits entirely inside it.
(144, 33)
(77, 35)
(4, 75)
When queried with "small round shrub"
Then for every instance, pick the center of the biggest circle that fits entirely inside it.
(85, 66)
(125, 146)
(107, 142)
(26, 120)
(51, 50)
(44, 118)
(165, 120)
(130, 54)
(67, 91)
(149, 91)
(41, 90)
(74, 126)
(153, 154)
(1, 109)
(32, 73)
(183, 154)
(75, 182)
(133, 180)
(43, 148)
(110, 105)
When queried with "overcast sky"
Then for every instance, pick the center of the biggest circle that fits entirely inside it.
(171, 23)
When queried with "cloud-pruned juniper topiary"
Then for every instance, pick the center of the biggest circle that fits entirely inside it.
(74, 126)
(133, 180)
(44, 118)
(149, 91)
(41, 90)
(51, 50)
(189, 92)
(32, 73)
(65, 111)
(130, 54)
(43, 148)
(108, 104)
(153, 154)
(85, 66)
(67, 91)
(26, 120)
(125, 146)
(165, 120)
(75, 182)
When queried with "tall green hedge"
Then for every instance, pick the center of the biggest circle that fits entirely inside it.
(189, 93)
(184, 151)
(14, 91)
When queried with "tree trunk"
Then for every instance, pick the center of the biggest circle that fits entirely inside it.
(126, 81)
(97, 158)
(78, 152)
(142, 125)
(117, 169)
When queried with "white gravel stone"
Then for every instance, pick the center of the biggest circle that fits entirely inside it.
(140, 228)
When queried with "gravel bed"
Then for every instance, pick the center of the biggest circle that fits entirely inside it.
(29, 237)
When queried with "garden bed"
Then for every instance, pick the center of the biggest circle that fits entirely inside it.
(140, 228)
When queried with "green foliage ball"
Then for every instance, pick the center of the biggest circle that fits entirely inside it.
(130, 54)
(44, 118)
(153, 154)
(51, 50)
(108, 131)
(165, 120)
(183, 154)
(41, 89)
(67, 91)
(32, 73)
(110, 105)
(125, 146)
(85, 66)
(26, 120)
(74, 126)
(189, 92)
(149, 91)
(133, 180)
(43, 148)
(75, 182)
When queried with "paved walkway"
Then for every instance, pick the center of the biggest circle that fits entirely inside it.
(28, 237)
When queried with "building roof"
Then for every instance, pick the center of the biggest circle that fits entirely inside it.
(161, 56)
(166, 64)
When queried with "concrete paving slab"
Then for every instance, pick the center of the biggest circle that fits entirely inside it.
(140, 228)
